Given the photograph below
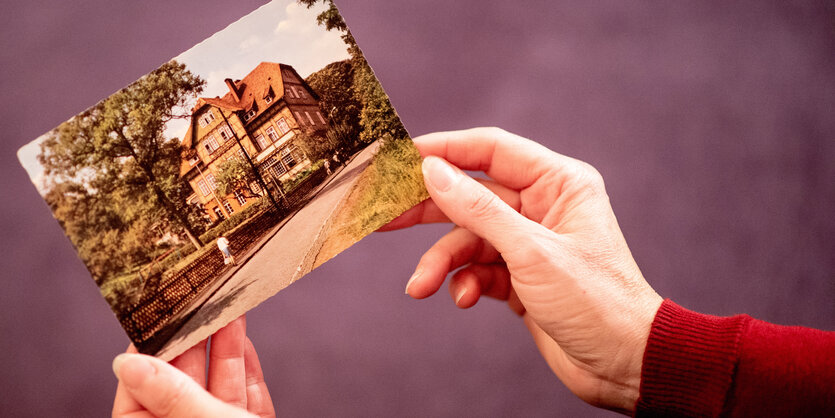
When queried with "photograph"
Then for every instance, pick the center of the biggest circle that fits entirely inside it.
(227, 173)
(600, 208)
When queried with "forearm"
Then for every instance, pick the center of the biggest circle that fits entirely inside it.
(705, 365)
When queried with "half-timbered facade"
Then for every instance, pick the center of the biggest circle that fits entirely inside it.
(260, 118)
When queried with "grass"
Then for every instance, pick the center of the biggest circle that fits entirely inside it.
(391, 184)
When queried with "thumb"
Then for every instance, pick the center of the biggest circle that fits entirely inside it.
(470, 205)
(165, 391)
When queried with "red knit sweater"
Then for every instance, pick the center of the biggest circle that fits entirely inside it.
(702, 365)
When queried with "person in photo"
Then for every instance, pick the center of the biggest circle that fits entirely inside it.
(223, 245)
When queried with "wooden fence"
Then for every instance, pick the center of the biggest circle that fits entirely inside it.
(158, 306)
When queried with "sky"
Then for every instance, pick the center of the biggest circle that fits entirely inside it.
(280, 31)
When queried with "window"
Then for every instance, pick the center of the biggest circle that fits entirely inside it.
(319, 115)
(299, 118)
(225, 133)
(289, 92)
(219, 214)
(283, 127)
(228, 207)
(210, 179)
(262, 142)
(309, 118)
(211, 143)
(204, 190)
(300, 93)
(242, 154)
(240, 198)
(249, 115)
(193, 161)
(206, 118)
(255, 187)
(271, 133)
(268, 99)
(287, 157)
(275, 167)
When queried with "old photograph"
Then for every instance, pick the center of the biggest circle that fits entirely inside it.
(227, 173)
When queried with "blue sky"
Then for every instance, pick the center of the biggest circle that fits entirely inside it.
(280, 31)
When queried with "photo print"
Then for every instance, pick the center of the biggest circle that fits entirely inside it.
(228, 173)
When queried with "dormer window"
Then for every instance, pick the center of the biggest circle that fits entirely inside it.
(206, 118)
(250, 114)
(268, 96)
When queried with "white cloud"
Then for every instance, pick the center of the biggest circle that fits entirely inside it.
(251, 41)
(300, 20)
(280, 31)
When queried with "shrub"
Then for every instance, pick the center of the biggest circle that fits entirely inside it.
(289, 185)
(236, 219)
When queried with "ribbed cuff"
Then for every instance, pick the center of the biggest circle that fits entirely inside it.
(689, 362)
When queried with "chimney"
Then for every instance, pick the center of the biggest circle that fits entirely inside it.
(233, 89)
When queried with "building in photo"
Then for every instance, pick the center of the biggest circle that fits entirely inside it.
(260, 117)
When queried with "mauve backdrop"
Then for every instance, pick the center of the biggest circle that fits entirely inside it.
(712, 122)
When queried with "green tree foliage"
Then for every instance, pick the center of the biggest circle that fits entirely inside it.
(377, 116)
(338, 99)
(317, 147)
(235, 175)
(113, 176)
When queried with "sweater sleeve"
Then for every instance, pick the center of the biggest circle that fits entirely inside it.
(703, 365)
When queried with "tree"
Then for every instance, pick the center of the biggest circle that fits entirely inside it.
(235, 175)
(335, 86)
(377, 116)
(316, 147)
(121, 170)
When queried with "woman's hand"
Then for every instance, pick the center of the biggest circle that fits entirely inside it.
(540, 234)
(149, 387)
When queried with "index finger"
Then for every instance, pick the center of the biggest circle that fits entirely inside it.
(509, 159)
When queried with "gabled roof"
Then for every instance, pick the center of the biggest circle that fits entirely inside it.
(250, 90)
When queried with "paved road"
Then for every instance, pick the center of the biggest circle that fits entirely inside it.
(280, 261)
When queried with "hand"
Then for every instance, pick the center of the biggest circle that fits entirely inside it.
(150, 387)
(540, 234)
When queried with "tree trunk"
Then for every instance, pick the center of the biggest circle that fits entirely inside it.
(163, 200)
(179, 216)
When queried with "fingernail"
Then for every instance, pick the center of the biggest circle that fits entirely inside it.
(117, 363)
(132, 369)
(460, 295)
(412, 279)
(440, 174)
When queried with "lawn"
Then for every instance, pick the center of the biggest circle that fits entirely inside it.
(392, 183)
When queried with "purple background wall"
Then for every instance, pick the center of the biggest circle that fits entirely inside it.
(713, 123)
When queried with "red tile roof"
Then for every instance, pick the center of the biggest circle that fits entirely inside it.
(251, 89)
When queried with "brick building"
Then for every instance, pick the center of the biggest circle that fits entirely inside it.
(260, 116)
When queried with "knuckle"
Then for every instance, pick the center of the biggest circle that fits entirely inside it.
(491, 131)
(592, 176)
(584, 177)
(482, 204)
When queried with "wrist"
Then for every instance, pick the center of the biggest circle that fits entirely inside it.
(620, 391)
